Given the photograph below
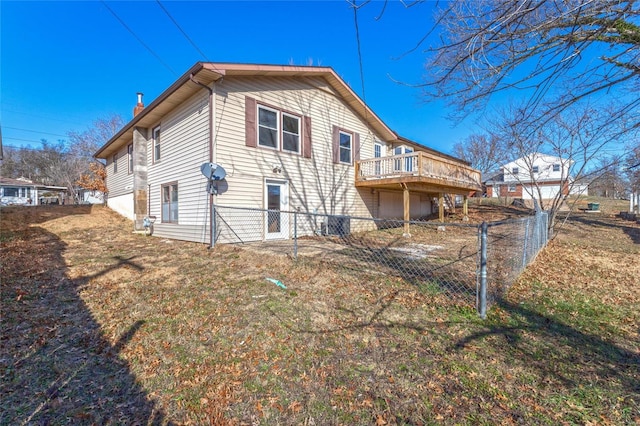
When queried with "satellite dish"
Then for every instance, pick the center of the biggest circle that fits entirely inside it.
(213, 171)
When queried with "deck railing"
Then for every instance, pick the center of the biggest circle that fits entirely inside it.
(419, 164)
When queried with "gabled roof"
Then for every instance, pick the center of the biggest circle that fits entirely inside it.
(208, 72)
(537, 157)
(4, 181)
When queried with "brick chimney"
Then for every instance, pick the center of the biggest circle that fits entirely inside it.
(139, 106)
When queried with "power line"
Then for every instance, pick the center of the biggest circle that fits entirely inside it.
(34, 131)
(138, 38)
(22, 140)
(44, 117)
(182, 31)
(28, 148)
(355, 18)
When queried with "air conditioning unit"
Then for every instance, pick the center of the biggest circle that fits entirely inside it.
(337, 225)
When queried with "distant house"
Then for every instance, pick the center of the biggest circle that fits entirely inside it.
(86, 196)
(291, 138)
(537, 175)
(24, 192)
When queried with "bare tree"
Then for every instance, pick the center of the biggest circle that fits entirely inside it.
(85, 144)
(63, 163)
(555, 53)
(608, 178)
(484, 152)
(576, 138)
(632, 163)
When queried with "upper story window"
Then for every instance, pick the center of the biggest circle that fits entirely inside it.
(377, 150)
(267, 127)
(556, 167)
(156, 144)
(273, 128)
(115, 163)
(130, 157)
(278, 130)
(345, 147)
(515, 171)
(290, 133)
(535, 169)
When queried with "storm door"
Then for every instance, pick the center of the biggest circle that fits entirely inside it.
(276, 199)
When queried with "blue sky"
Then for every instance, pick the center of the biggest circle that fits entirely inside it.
(65, 64)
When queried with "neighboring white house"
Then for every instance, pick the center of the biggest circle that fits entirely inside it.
(291, 138)
(24, 192)
(534, 176)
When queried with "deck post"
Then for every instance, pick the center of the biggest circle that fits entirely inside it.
(407, 210)
(441, 207)
(465, 209)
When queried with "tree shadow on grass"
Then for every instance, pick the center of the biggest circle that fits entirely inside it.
(56, 367)
(559, 351)
(627, 227)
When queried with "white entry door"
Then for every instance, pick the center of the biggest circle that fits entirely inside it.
(276, 200)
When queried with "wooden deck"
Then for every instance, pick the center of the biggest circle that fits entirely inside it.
(421, 171)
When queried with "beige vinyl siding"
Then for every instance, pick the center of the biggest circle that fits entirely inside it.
(315, 184)
(184, 146)
(391, 205)
(119, 183)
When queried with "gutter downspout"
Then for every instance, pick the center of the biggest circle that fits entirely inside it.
(211, 150)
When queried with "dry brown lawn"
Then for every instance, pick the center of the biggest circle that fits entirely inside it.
(103, 326)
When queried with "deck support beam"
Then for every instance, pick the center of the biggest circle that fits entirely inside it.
(441, 206)
(465, 209)
(407, 210)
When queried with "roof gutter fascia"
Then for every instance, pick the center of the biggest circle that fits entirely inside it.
(164, 95)
(433, 151)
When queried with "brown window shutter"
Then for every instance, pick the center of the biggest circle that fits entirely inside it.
(306, 138)
(335, 143)
(250, 121)
(356, 147)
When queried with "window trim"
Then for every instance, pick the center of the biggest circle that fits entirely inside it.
(277, 129)
(512, 187)
(156, 136)
(169, 185)
(280, 113)
(535, 169)
(115, 163)
(299, 135)
(350, 134)
(130, 157)
(377, 149)
(515, 171)
(556, 166)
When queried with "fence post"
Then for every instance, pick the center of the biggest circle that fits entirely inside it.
(212, 224)
(295, 235)
(526, 242)
(482, 296)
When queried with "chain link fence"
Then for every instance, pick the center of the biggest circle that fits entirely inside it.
(468, 263)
